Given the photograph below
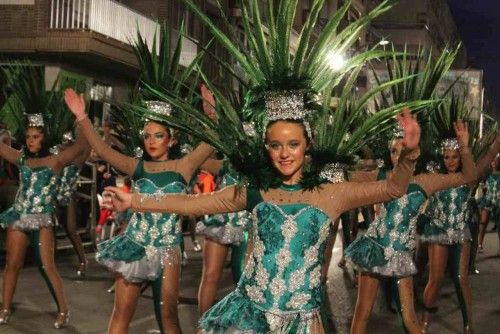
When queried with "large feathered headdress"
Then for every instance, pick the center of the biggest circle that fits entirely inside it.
(30, 104)
(285, 84)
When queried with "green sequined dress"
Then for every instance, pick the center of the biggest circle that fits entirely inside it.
(227, 228)
(33, 206)
(67, 184)
(151, 240)
(448, 211)
(387, 247)
(491, 199)
(281, 286)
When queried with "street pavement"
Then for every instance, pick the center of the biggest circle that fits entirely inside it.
(91, 304)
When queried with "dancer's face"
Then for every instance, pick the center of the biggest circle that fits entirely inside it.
(286, 144)
(451, 160)
(157, 141)
(396, 148)
(34, 140)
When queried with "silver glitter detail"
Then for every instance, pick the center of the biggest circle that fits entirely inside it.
(138, 152)
(35, 120)
(55, 150)
(298, 300)
(159, 108)
(398, 132)
(302, 322)
(227, 234)
(249, 129)
(380, 163)
(68, 137)
(315, 277)
(255, 294)
(432, 167)
(449, 144)
(285, 104)
(334, 172)
(32, 222)
(186, 149)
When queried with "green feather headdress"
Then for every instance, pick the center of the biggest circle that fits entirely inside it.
(269, 65)
(426, 72)
(160, 71)
(30, 103)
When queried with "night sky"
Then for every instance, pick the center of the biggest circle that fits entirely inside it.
(478, 22)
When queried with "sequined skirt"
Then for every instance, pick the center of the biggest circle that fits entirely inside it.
(366, 255)
(133, 261)
(226, 234)
(450, 236)
(25, 222)
(237, 314)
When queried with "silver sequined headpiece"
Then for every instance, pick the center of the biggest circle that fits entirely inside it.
(287, 104)
(35, 120)
(158, 107)
(449, 144)
(334, 172)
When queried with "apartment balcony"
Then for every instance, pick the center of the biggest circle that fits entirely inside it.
(89, 33)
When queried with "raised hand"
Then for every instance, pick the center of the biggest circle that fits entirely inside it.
(208, 102)
(462, 132)
(75, 103)
(411, 128)
(119, 200)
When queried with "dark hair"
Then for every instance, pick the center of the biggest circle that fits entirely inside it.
(289, 120)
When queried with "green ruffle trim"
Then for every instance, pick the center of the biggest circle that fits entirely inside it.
(365, 253)
(120, 248)
(8, 217)
(431, 230)
(237, 312)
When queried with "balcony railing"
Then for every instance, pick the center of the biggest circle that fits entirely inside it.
(107, 17)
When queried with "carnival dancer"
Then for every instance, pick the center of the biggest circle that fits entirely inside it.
(490, 209)
(31, 219)
(447, 232)
(66, 202)
(222, 231)
(386, 250)
(149, 248)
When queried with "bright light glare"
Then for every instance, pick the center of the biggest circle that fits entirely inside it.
(384, 42)
(336, 61)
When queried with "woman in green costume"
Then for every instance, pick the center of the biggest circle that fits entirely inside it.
(149, 249)
(31, 216)
(386, 250)
(222, 232)
(490, 209)
(448, 235)
(66, 202)
(280, 289)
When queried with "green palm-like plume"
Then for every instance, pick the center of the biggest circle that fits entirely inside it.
(268, 62)
(29, 95)
(159, 66)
